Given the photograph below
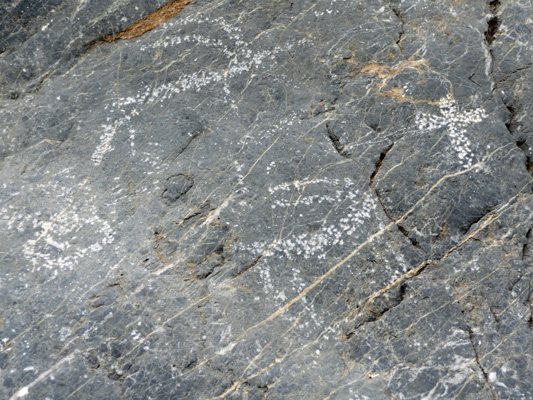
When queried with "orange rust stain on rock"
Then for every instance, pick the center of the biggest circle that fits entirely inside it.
(381, 71)
(386, 72)
(151, 21)
(398, 94)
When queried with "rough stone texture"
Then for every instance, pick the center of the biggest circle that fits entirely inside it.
(281, 200)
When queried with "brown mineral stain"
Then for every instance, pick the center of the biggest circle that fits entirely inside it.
(398, 94)
(151, 21)
(386, 72)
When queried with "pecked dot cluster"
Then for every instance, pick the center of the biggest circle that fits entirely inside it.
(456, 121)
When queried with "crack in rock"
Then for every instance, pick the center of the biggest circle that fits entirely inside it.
(493, 24)
(521, 142)
(402, 230)
(379, 163)
(526, 247)
(401, 32)
(478, 362)
(335, 141)
(377, 308)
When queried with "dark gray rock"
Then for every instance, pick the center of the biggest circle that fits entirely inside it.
(313, 199)
(175, 187)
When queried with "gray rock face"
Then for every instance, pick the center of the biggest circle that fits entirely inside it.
(281, 200)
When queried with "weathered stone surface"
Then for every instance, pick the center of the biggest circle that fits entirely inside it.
(313, 199)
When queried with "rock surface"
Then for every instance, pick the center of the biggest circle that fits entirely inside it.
(266, 200)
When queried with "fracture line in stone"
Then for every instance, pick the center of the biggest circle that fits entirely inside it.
(22, 392)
